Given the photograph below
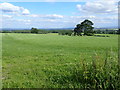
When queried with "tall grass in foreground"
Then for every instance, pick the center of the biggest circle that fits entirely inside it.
(98, 74)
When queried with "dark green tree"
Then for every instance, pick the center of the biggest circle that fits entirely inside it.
(86, 27)
(34, 30)
(78, 30)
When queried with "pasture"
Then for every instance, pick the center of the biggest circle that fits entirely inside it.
(57, 61)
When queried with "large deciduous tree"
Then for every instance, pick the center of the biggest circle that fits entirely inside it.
(85, 27)
(34, 30)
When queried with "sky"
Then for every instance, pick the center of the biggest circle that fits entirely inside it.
(57, 14)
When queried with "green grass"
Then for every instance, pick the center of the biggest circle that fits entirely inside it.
(55, 61)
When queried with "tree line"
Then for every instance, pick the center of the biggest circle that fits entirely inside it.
(82, 29)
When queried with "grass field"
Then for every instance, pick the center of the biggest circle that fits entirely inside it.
(56, 61)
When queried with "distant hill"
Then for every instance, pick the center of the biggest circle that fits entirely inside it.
(38, 28)
(55, 28)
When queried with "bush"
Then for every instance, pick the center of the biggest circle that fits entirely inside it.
(65, 32)
(101, 35)
(6, 31)
(42, 31)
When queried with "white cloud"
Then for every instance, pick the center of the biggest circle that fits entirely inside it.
(115, 18)
(7, 7)
(84, 17)
(51, 20)
(33, 15)
(106, 6)
(23, 20)
(10, 8)
(53, 16)
(6, 16)
(25, 12)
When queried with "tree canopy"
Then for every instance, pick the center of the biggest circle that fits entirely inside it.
(34, 30)
(85, 27)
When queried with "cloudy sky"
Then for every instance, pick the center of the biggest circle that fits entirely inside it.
(57, 14)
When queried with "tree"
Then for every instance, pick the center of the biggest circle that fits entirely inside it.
(86, 27)
(78, 30)
(34, 30)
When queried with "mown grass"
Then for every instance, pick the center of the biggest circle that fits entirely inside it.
(55, 61)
